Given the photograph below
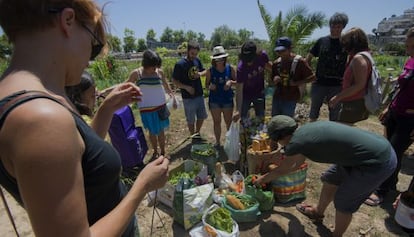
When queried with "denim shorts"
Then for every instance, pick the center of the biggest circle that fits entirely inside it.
(220, 105)
(194, 109)
(355, 184)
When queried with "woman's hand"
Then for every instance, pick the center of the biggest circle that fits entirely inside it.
(155, 174)
(260, 180)
(212, 87)
(333, 102)
(228, 84)
(277, 79)
(381, 116)
(122, 95)
(236, 116)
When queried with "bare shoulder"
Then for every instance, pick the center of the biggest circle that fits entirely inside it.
(40, 127)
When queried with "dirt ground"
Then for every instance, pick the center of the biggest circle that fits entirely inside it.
(283, 220)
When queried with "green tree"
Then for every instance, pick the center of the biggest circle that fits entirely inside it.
(141, 46)
(190, 36)
(129, 40)
(167, 35)
(151, 35)
(201, 38)
(244, 35)
(298, 24)
(178, 36)
(225, 36)
(114, 43)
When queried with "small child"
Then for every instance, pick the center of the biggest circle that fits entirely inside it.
(153, 109)
(83, 95)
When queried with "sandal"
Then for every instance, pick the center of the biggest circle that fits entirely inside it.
(310, 212)
(374, 200)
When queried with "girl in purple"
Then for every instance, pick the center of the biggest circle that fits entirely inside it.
(399, 123)
(250, 81)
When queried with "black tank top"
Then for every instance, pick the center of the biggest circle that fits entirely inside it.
(101, 164)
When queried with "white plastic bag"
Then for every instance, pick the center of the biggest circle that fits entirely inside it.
(238, 180)
(220, 233)
(232, 143)
(173, 103)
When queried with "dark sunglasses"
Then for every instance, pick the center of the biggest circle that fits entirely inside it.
(97, 47)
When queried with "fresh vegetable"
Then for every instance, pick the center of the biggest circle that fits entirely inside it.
(221, 220)
(235, 202)
(210, 231)
(207, 151)
(251, 179)
(175, 178)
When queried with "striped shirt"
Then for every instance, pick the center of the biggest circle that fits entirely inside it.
(153, 93)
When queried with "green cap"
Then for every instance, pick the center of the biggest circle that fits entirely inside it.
(279, 125)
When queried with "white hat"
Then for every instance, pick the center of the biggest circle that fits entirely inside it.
(219, 52)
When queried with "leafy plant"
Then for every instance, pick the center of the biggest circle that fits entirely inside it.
(298, 24)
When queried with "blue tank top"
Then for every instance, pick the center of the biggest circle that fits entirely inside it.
(221, 96)
(101, 166)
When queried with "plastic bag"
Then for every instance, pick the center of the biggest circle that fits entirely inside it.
(232, 143)
(189, 204)
(219, 233)
(173, 103)
(265, 198)
(238, 180)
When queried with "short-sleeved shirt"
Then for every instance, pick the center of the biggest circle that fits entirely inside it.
(252, 76)
(183, 72)
(335, 143)
(405, 97)
(283, 89)
(331, 61)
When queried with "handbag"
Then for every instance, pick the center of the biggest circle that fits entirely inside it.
(163, 112)
(353, 111)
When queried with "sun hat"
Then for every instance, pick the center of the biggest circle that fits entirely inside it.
(219, 52)
(280, 125)
(283, 43)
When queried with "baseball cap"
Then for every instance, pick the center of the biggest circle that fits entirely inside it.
(283, 43)
(280, 125)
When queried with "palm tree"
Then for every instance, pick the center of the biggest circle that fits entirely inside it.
(298, 24)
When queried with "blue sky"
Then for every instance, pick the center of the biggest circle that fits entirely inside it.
(205, 16)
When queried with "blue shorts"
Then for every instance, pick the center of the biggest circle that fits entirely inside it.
(153, 123)
(195, 109)
(220, 105)
(355, 184)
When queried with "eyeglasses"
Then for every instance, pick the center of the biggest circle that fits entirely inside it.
(97, 46)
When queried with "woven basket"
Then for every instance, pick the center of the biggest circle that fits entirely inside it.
(292, 186)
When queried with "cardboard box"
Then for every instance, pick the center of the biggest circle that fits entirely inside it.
(166, 194)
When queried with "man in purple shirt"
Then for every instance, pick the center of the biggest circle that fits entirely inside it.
(250, 80)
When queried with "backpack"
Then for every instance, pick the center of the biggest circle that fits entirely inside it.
(373, 95)
(128, 139)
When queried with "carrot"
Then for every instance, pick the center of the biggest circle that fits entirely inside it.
(235, 202)
(210, 231)
(240, 186)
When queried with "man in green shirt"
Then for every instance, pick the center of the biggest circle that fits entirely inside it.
(361, 162)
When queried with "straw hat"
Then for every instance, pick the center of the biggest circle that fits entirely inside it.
(219, 52)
